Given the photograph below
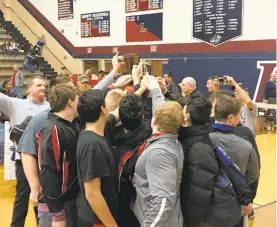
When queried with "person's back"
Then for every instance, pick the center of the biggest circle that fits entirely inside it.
(158, 171)
(242, 153)
(164, 145)
(130, 135)
(240, 150)
(200, 165)
(245, 133)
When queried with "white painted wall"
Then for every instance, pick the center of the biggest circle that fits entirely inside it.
(259, 21)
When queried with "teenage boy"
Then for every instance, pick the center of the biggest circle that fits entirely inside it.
(97, 199)
(57, 142)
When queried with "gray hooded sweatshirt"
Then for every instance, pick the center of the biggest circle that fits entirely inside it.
(157, 179)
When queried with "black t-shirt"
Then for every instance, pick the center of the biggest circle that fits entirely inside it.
(95, 160)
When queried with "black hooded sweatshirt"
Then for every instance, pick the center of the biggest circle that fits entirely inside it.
(124, 142)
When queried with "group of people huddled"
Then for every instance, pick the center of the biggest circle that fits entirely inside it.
(102, 157)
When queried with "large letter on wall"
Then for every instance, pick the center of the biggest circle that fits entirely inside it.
(266, 68)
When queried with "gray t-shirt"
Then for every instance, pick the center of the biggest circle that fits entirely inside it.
(249, 117)
(18, 109)
(28, 142)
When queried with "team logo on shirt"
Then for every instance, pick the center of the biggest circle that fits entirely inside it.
(266, 68)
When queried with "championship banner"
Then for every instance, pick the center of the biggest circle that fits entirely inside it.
(65, 9)
(217, 21)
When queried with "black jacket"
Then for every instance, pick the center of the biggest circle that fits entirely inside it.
(180, 98)
(173, 89)
(124, 142)
(128, 141)
(269, 90)
(200, 170)
(57, 143)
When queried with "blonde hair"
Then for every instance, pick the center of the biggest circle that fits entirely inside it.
(113, 99)
(169, 117)
(83, 88)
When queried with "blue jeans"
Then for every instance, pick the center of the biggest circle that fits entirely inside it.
(30, 68)
(18, 91)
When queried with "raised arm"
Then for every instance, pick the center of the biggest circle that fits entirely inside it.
(152, 84)
(242, 93)
(109, 79)
(6, 104)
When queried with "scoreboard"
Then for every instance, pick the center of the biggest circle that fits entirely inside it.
(95, 24)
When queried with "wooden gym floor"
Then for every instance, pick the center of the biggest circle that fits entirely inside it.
(265, 202)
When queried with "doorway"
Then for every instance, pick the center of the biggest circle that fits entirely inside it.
(91, 67)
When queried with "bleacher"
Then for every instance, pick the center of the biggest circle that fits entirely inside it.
(9, 32)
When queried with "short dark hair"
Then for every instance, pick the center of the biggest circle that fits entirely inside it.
(130, 111)
(226, 105)
(89, 105)
(60, 95)
(169, 74)
(199, 109)
(59, 80)
(5, 83)
(102, 73)
(31, 79)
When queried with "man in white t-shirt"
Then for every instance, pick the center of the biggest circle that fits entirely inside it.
(249, 110)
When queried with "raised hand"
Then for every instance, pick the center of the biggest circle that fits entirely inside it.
(162, 84)
(150, 82)
(137, 72)
(115, 62)
(123, 81)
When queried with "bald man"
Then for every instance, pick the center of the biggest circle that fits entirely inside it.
(188, 87)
